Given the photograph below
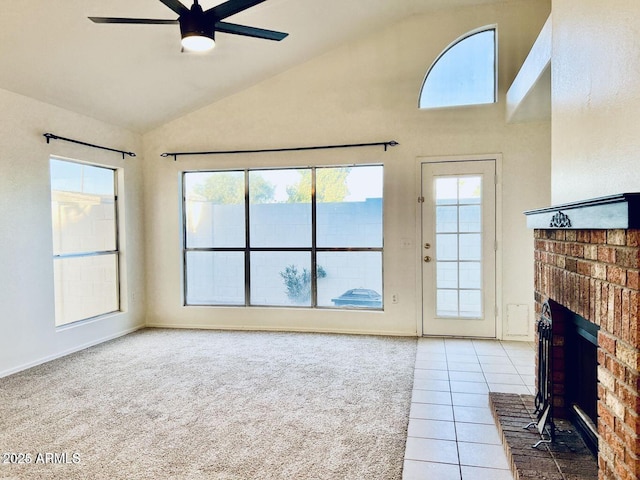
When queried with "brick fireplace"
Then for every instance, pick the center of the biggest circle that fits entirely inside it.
(587, 259)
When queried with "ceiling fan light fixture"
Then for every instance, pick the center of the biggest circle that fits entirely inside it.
(197, 42)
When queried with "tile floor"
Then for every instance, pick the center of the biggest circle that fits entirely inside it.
(452, 434)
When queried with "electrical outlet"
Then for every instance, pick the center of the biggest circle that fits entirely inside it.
(394, 298)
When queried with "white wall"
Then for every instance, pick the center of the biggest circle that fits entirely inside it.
(595, 98)
(362, 92)
(27, 331)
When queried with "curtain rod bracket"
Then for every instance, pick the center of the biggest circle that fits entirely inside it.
(52, 136)
(390, 143)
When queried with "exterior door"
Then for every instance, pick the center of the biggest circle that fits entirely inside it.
(459, 248)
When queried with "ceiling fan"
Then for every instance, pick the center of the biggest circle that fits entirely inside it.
(197, 27)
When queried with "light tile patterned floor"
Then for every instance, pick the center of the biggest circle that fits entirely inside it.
(452, 434)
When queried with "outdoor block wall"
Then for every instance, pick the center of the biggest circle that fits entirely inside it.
(283, 225)
(596, 274)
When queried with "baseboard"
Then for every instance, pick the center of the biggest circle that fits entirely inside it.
(245, 328)
(64, 353)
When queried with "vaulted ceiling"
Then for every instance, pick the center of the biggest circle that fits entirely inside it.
(135, 76)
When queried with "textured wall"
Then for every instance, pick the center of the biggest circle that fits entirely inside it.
(364, 91)
(28, 334)
(595, 98)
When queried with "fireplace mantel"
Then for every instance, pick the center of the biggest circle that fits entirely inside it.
(612, 212)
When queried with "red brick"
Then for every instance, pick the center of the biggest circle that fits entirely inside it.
(633, 422)
(583, 236)
(616, 275)
(616, 237)
(618, 370)
(604, 306)
(606, 342)
(633, 279)
(628, 257)
(606, 254)
(630, 398)
(617, 310)
(585, 297)
(594, 292)
(585, 268)
(633, 238)
(576, 250)
(606, 420)
(626, 315)
(600, 271)
(598, 236)
(591, 252)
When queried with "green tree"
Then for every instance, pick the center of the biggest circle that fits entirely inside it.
(225, 188)
(331, 186)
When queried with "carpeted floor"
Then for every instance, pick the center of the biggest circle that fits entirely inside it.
(187, 404)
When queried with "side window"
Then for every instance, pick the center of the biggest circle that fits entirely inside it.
(463, 74)
(85, 240)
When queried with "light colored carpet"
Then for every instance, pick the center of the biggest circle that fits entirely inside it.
(188, 404)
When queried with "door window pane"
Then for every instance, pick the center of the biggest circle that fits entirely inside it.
(447, 303)
(447, 274)
(470, 218)
(470, 246)
(470, 303)
(447, 247)
(350, 279)
(470, 275)
(446, 219)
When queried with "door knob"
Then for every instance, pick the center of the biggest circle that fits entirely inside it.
(427, 258)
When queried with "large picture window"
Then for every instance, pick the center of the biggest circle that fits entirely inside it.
(85, 241)
(306, 237)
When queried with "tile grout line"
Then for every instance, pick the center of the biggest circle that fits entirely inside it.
(453, 411)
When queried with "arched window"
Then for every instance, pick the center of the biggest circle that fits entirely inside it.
(464, 73)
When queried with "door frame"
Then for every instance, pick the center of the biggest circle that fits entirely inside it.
(497, 157)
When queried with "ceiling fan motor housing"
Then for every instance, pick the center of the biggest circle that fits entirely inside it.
(194, 23)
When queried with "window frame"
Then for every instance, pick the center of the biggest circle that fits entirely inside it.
(453, 44)
(313, 249)
(95, 253)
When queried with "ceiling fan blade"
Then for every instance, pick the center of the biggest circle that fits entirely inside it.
(231, 7)
(144, 21)
(176, 6)
(235, 29)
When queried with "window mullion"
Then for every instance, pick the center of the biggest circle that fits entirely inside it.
(247, 244)
(314, 279)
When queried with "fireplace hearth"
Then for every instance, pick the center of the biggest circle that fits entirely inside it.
(587, 264)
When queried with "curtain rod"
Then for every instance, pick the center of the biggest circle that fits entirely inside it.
(52, 136)
(390, 143)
